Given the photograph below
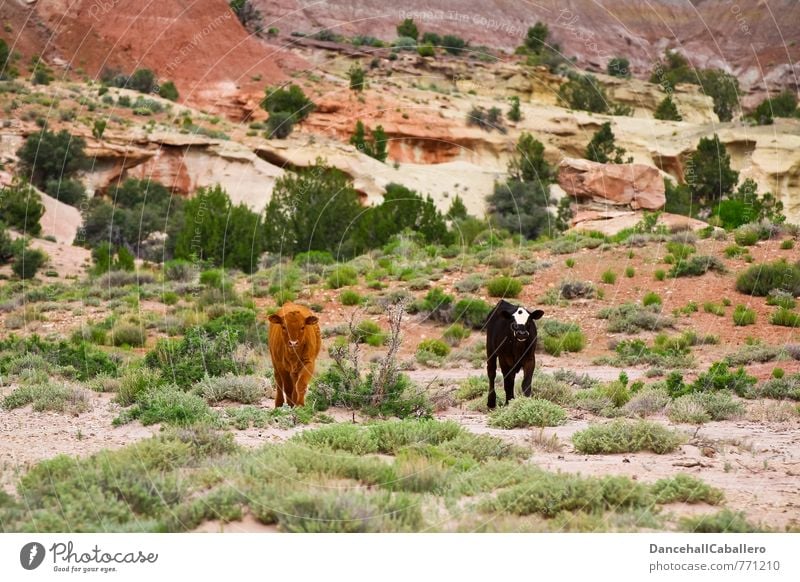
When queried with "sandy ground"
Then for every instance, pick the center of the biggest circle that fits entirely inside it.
(27, 437)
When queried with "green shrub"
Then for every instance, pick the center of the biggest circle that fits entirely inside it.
(760, 279)
(746, 235)
(720, 377)
(715, 308)
(584, 92)
(196, 355)
(558, 337)
(785, 317)
(651, 298)
(782, 299)
(504, 287)
(630, 272)
(455, 333)
(349, 297)
(27, 261)
(21, 208)
(726, 521)
(128, 334)
(472, 312)
(696, 266)
(609, 277)
(434, 346)
(743, 315)
(632, 318)
(369, 332)
(684, 488)
(342, 276)
(135, 382)
(85, 359)
(626, 436)
(244, 389)
(660, 275)
(524, 412)
(687, 409)
(47, 155)
(168, 405)
(49, 397)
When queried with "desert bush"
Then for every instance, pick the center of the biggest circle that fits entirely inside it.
(27, 261)
(687, 409)
(781, 298)
(128, 334)
(651, 298)
(743, 315)
(349, 297)
(785, 387)
(577, 290)
(625, 436)
(135, 382)
(86, 360)
(342, 276)
(646, 402)
(244, 389)
(198, 354)
(685, 489)
(785, 317)
(179, 270)
(369, 332)
(455, 334)
(166, 404)
(609, 277)
(726, 521)
(504, 287)
(632, 318)
(472, 312)
(696, 266)
(56, 397)
(560, 337)
(760, 279)
(524, 412)
(434, 346)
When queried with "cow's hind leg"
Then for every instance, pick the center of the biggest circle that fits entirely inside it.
(491, 371)
(508, 384)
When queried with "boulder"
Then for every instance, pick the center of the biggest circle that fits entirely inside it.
(636, 185)
(613, 222)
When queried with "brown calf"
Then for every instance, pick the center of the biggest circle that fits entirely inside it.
(294, 344)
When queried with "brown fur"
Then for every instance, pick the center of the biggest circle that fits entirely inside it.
(293, 365)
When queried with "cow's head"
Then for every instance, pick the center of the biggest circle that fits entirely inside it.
(293, 325)
(523, 326)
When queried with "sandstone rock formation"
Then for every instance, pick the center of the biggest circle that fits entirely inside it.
(613, 221)
(635, 185)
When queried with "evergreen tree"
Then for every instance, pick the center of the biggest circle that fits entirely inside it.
(536, 38)
(401, 209)
(356, 75)
(709, 172)
(314, 209)
(408, 29)
(514, 114)
(602, 148)
(217, 231)
(619, 67)
(667, 110)
(528, 163)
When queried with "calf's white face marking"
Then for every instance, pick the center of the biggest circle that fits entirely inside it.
(521, 316)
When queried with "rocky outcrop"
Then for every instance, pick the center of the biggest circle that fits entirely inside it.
(635, 185)
(613, 222)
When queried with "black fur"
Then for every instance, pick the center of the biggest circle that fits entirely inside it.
(514, 351)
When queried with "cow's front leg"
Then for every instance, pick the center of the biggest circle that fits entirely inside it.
(508, 383)
(279, 389)
(288, 387)
(301, 383)
(527, 375)
(491, 371)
